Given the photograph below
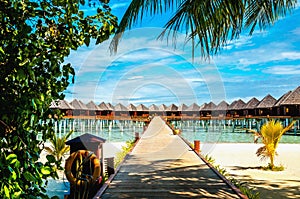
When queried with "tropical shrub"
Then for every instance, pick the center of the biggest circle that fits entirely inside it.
(271, 133)
(58, 147)
(36, 36)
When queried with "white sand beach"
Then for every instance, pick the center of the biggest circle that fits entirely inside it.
(241, 162)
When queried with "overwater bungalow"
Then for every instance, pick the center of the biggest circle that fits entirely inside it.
(172, 110)
(63, 106)
(231, 106)
(132, 110)
(121, 110)
(104, 110)
(181, 109)
(287, 105)
(193, 110)
(162, 109)
(236, 108)
(265, 106)
(80, 109)
(93, 109)
(154, 110)
(291, 103)
(277, 106)
(142, 110)
(221, 110)
(206, 109)
(249, 109)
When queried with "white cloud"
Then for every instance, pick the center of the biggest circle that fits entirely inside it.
(290, 55)
(296, 31)
(283, 70)
(135, 77)
(242, 41)
(276, 51)
(119, 5)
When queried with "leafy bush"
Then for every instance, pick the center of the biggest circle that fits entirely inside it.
(125, 150)
(36, 36)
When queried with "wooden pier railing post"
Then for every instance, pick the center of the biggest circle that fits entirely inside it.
(197, 146)
(137, 136)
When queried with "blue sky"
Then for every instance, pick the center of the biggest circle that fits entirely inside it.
(146, 70)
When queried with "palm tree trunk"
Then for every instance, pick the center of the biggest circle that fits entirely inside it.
(272, 161)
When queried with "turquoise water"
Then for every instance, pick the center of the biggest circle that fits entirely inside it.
(226, 134)
(122, 131)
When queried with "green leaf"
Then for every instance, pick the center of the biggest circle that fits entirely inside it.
(80, 14)
(46, 170)
(50, 158)
(6, 191)
(13, 173)
(28, 176)
(1, 50)
(11, 158)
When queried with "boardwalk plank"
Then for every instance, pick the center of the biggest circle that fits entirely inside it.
(163, 166)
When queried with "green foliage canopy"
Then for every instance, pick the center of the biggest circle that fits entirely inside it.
(36, 36)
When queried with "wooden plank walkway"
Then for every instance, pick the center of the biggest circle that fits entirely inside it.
(162, 165)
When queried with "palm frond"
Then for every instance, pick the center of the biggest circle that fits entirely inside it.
(262, 153)
(288, 127)
(49, 150)
(266, 12)
(58, 145)
(208, 24)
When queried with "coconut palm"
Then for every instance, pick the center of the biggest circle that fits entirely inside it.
(207, 24)
(271, 133)
(58, 146)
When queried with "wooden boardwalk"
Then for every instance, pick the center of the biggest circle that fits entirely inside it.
(162, 165)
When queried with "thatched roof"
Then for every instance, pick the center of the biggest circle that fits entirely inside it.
(267, 102)
(78, 105)
(142, 107)
(251, 104)
(172, 107)
(120, 107)
(110, 106)
(281, 99)
(162, 107)
(153, 107)
(237, 105)
(193, 107)
(222, 106)
(293, 98)
(92, 106)
(62, 105)
(182, 107)
(208, 107)
(232, 105)
(103, 107)
(131, 107)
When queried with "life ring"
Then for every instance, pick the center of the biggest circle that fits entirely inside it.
(82, 154)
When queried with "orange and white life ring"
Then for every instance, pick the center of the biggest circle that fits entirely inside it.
(82, 154)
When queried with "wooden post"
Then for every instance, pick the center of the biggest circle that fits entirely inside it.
(197, 146)
(137, 137)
